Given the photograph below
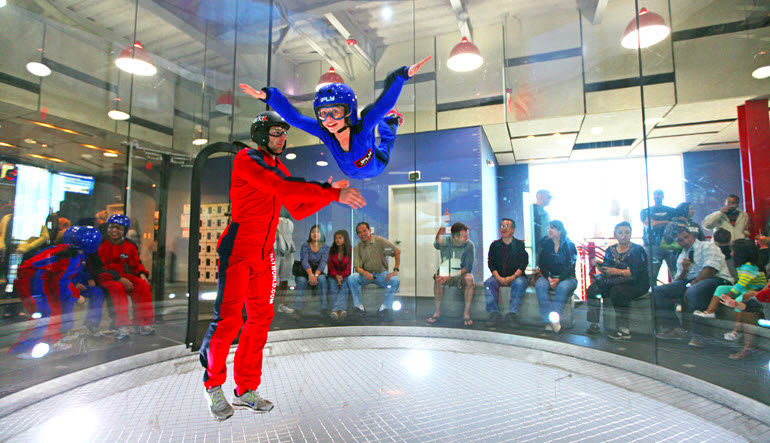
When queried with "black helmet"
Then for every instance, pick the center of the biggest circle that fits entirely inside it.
(262, 124)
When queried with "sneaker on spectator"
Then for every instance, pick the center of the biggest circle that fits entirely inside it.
(593, 329)
(385, 315)
(343, 315)
(146, 330)
(93, 331)
(512, 319)
(218, 405)
(359, 313)
(695, 342)
(549, 327)
(61, 346)
(672, 334)
(70, 337)
(704, 314)
(494, 318)
(124, 333)
(285, 309)
(251, 400)
(556, 327)
(335, 315)
(732, 335)
(619, 335)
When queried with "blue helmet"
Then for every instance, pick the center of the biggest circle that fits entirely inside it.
(337, 94)
(85, 238)
(120, 219)
(67, 236)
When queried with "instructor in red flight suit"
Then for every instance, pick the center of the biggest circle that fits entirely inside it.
(261, 184)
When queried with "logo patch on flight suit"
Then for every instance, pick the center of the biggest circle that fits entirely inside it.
(123, 255)
(360, 163)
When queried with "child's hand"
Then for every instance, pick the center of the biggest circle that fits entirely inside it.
(252, 92)
(415, 67)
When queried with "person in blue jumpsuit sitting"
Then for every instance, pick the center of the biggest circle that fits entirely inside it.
(350, 139)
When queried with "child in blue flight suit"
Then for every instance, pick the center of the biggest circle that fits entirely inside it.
(349, 138)
(48, 289)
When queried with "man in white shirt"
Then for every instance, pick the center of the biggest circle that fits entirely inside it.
(729, 218)
(702, 268)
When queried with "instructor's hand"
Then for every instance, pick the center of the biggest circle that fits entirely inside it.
(341, 184)
(416, 67)
(252, 92)
(126, 283)
(352, 197)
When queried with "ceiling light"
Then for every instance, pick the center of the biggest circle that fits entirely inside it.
(225, 103)
(328, 78)
(8, 145)
(136, 60)
(530, 137)
(597, 130)
(38, 69)
(291, 156)
(465, 57)
(43, 157)
(30, 141)
(652, 30)
(86, 156)
(321, 163)
(110, 154)
(50, 126)
(118, 115)
(96, 148)
(2, 3)
(761, 65)
(199, 139)
(386, 13)
(557, 134)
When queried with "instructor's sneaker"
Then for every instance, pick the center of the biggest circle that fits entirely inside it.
(123, 334)
(218, 405)
(252, 401)
(146, 330)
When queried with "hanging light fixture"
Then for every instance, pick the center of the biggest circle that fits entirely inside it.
(761, 65)
(465, 57)
(652, 29)
(225, 103)
(136, 60)
(115, 113)
(328, 78)
(39, 68)
(200, 138)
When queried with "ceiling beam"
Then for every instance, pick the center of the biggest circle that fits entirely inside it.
(593, 10)
(463, 19)
(348, 29)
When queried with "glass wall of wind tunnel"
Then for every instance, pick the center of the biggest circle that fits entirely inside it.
(383, 36)
(712, 117)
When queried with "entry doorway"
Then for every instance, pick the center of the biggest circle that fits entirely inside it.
(414, 217)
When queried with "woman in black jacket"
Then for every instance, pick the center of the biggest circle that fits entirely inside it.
(624, 277)
(556, 260)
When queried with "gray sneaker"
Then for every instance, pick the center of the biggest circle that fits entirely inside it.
(218, 405)
(672, 334)
(251, 400)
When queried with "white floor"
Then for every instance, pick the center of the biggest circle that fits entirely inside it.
(379, 389)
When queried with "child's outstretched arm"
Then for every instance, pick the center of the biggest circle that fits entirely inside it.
(389, 96)
(277, 101)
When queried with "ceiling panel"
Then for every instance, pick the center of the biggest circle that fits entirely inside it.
(543, 147)
(498, 137)
(600, 153)
(545, 126)
(664, 130)
(670, 145)
(505, 158)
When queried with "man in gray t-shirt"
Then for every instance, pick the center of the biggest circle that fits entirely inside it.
(455, 269)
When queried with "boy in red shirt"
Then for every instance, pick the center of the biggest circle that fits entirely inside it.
(122, 256)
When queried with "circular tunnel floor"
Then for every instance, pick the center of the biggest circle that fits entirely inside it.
(380, 389)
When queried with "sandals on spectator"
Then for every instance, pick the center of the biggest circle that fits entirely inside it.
(467, 322)
(740, 355)
(433, 319)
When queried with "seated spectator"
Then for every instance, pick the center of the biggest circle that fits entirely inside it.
(749, 313)
(457, 255)
(623, 277)
(556, 272)
(507, 260)
(121, 255)
(313, 255)
(722, 239)
(730, 218)
(339, 271)
(750, 278)
(702, 269)
(370, 257)
(683, 217)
